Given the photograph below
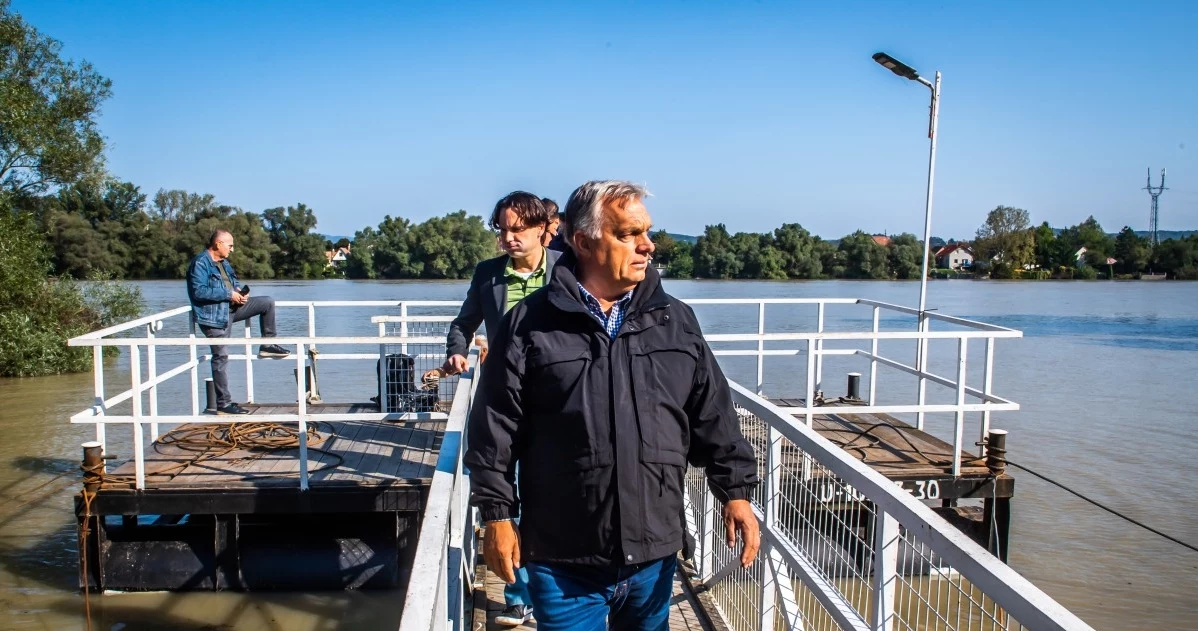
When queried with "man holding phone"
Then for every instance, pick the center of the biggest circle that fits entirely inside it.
(217, 301)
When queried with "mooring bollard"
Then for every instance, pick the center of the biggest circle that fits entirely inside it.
(93, 464)
(996, 451)
(210, 388)
(854, 387)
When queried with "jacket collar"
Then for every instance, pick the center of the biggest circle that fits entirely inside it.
(564, 294)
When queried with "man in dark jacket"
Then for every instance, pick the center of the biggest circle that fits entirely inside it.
(217, 301)
(602, 388)
(520, 220)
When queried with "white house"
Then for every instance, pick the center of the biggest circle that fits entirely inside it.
(954, 256)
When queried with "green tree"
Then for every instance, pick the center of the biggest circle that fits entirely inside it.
(391, 255)
(683, 263)
(48, 110)
(714, 254)
(1005, 242)
(1178, 258)
(905, 257)
(664, 247)
(300, 251)
(1132, 253)
(38, 314)
(360, 262)
(832, 260)
(799, 252)
(449, 246)
(1047, 249)
(863, 257)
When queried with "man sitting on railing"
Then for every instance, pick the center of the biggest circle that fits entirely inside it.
(599, 390)
(217, 301)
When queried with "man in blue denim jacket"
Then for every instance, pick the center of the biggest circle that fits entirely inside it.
(217, 301)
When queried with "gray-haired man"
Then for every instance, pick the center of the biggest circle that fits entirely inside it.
(602, 388)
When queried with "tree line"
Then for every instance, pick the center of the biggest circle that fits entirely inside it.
(1007, 246)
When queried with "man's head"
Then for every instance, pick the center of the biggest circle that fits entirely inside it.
(555, 220)
(220, 244)
(607, 226)
(520, 220)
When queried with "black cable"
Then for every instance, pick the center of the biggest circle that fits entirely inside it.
(1105, 508)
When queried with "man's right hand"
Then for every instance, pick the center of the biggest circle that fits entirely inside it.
(455, 365)
(501, 549)
(238, 298)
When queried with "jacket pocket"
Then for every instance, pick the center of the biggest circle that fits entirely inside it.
(661, 383)
(566, 506)
(663, 476)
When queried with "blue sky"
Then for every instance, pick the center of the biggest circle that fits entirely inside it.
(750, 114)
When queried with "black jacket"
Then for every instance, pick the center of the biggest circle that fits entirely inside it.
(485, 302)
(602, 429)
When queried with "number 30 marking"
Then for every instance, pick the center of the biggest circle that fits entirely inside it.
(926, 490)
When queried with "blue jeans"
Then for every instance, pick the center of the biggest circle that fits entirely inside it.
(582, 598)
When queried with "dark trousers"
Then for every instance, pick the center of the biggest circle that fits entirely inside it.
(256, 306)
(623, 598)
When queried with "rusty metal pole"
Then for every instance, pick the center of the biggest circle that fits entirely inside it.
(996, 451)
(93, 464)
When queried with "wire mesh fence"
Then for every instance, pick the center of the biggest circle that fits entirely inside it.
(408, 377)
(830, 557)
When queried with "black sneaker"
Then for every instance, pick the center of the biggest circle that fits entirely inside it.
(515, 616)
(272, 351)
(231, 409)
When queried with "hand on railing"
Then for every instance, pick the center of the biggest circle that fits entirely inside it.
(501, 549)
(739, 517)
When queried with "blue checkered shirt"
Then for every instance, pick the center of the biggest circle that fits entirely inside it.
(611, 322)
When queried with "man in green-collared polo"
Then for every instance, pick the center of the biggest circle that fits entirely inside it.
(520, 221)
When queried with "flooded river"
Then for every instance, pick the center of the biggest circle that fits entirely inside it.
(1104, 374)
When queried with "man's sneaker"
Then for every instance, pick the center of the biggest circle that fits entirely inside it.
(272, 351)
(515, 616)
(231, 410)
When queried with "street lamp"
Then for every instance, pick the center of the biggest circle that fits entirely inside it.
(907, 72)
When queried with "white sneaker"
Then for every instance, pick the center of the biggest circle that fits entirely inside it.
(515, 616)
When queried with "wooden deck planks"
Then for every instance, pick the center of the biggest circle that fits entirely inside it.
(372, 452)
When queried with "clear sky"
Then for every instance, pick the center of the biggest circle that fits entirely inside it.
(750, 114)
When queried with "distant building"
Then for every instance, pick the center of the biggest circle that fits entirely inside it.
(882, 240)
(336, 257)
(1079, 257)
(954, 256)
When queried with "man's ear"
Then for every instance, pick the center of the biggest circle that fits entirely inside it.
(581, 243)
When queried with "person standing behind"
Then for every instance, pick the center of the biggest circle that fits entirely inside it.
(554, 238)
(217, 301)
(521, 222)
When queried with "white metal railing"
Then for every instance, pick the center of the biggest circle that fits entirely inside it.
(760, 339)
(443, 567)
(865, 555)
(145, 389)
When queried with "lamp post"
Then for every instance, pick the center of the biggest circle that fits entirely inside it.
(907, 72)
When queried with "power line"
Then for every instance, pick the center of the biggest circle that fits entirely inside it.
(1105, 508)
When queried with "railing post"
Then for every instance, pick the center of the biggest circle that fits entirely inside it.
(885, 575)
(959, 425)
(809, 397)
(921, 364)
(139, 463)
(873, 363)
(403, 326)
(819, 347)
(195, 369)
(760, 348)
(382, 368)
(98, 377)
(987, 385)
(301, 379)
(772, 487)
(152, 368)
(249, 364)
(706, 532)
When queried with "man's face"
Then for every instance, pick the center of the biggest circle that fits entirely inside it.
(516, 239)
(223, 246)
(621, 254)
